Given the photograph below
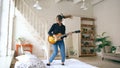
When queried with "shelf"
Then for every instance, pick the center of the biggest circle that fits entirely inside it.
(87, 25)
(88, 54)
(90, 32)
(87, 37)
(88, 19)
(88, 46)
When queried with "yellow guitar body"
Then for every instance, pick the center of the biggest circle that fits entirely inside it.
(54, 39)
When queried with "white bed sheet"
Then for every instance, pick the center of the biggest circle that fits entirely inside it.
(32, 63)
(69, 63)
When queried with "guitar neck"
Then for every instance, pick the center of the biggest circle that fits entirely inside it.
(65, 34)
(77, 31)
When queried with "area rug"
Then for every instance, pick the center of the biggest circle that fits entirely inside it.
(69, 63)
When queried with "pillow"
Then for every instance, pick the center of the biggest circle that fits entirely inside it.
(22, 58)
(26, 57)
(27, 52)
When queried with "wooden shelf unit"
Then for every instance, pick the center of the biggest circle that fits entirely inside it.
(87, 37)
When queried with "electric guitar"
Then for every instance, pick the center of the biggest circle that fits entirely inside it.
(53, 39)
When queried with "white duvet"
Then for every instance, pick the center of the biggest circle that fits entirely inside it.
(29, 61)
(33, 63)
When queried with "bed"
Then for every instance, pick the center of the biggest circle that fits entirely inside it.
(30, 61)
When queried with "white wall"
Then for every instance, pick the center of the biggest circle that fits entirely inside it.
(51, 10)
(107, 14)
(72, 41)
(24, 29)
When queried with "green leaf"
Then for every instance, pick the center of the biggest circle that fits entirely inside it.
(98, 50)
(103, 33)
(104, 41)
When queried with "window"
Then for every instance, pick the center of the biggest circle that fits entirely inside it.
(6, 26)
(0, 20)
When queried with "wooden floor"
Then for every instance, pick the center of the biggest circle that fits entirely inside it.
(96, 61)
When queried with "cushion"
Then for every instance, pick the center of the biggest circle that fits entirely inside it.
(26, 57)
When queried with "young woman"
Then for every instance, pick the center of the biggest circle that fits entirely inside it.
(57, 30)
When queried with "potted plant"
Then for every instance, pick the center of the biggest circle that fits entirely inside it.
(20, 40)
(102, 41)
(71, 52)
(113, 49)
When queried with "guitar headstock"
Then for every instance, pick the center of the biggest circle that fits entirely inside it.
(77, 31)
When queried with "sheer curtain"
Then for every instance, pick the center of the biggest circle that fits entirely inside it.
(6, 26)
(0, 21)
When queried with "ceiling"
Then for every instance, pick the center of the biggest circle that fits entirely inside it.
(46, 3)
(50, 7)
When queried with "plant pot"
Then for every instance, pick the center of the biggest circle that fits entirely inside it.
(107, 49)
